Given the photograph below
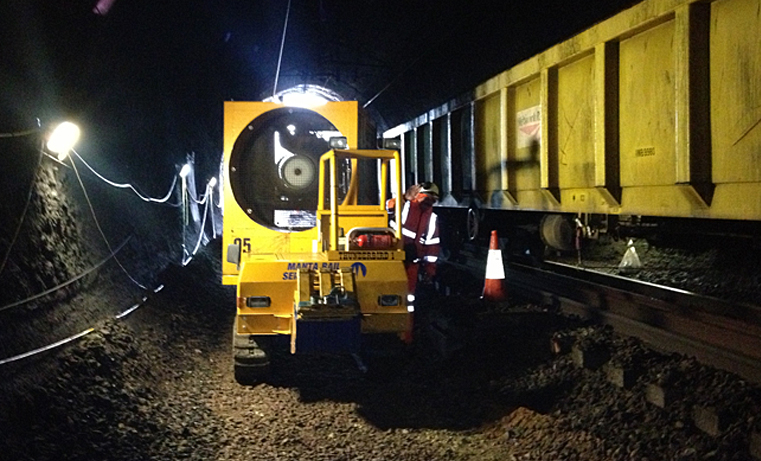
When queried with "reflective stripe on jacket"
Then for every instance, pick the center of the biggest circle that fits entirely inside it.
(420, 231)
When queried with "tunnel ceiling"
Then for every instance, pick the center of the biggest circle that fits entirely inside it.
(156, 72)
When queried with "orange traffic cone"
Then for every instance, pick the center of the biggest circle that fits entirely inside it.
(494, 285)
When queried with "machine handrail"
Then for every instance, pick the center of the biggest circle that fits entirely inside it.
(330, 158)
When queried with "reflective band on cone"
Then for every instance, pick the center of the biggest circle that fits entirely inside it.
(495, 270)
(494, 285)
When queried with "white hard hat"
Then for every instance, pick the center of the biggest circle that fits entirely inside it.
(429, 188)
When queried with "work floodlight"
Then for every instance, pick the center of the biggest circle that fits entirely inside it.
(305, 100)
(338, 142)
(392, 143)
(185, 171)
(62, 139)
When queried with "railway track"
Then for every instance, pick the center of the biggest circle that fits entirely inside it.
(722, 334)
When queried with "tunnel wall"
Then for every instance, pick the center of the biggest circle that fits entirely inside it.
(49, 238)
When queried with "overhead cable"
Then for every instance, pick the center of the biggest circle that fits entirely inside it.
(129, 186)
(282, 45)
(97, 225)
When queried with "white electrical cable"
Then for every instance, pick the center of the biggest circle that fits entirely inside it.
(203, 201)
(130, 186)
(69, 282)
(127, 312)
(46, 348)
(78, 335)
(97, 225)
(204, 197)
(23, 214)
(200, 236)
(19, 133)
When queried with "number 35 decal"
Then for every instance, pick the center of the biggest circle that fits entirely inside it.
(245, 245)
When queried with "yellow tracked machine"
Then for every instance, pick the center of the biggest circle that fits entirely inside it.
(306, 236)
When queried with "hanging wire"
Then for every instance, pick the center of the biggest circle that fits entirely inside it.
(18, 134)
(97, 224)
(204, 197)
(74, 337)
(434, 45)
(200, 235)
(23, 214)
(47, 348)
(129, 186)
(282, 45)
(370, 101)
(69, 282)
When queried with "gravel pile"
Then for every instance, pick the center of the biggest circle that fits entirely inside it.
(159, 386)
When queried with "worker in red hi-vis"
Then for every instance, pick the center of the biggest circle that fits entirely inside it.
(420, 233)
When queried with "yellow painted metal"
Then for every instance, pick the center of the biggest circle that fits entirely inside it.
(345, 279)
(353, 215)
(326, 282)
(488, 122)
(237, 224)
(263, 325)
(654, 111)
(736, 95)
(548, 150)
(575, 121)
(647, 108)
(290, 278)
(525, 174)
(385, 323)
(286, 282)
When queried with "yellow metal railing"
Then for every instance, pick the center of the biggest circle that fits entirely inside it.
(328, 164)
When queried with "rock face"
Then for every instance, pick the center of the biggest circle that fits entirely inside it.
(73, 251)
(159, 385)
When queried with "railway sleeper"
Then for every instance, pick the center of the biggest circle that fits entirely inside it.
(590, 358)
(661, 396)
(711, 420)
(623, 377)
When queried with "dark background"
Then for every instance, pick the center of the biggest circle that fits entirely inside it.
(146, 80)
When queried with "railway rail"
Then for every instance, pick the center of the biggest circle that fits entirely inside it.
(726, 335)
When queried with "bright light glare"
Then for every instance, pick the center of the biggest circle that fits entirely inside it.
(213, 181)
(62, 139)
(185, 171)
(304, 100)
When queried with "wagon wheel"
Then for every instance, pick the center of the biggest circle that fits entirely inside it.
(472, 223)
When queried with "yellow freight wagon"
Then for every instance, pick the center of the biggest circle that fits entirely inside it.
(653, 112)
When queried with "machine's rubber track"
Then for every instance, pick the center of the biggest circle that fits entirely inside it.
(251, 361)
